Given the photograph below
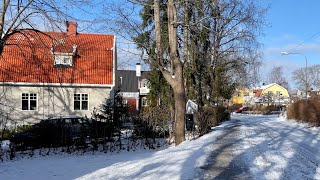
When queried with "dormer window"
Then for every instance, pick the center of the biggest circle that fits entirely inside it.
(62, 59)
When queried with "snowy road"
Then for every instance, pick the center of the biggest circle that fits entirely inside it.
(248, 147)
(264, 147)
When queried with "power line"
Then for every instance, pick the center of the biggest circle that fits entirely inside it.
(314, 36)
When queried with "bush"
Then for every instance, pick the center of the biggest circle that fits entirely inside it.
(211, 116)
(305, 111)
(8, 133)
(235, 107)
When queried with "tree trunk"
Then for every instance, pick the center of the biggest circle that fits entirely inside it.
(180, 110)
(178, 82)
(175, 77)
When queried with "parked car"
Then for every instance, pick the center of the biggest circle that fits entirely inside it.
(54, 132)
(243, 108)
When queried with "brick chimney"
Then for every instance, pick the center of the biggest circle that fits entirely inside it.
(71, 28)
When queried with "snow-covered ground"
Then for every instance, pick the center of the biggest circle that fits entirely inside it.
(269, 147)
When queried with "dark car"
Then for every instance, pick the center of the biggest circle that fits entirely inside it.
(54, 132)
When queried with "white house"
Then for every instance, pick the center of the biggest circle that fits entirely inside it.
(54, 74)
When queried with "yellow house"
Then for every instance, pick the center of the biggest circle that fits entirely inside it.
(271, 94)
(239, 96)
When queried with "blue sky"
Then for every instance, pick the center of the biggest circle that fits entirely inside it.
(292, 26)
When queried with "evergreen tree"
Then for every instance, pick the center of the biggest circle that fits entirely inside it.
(113, 113)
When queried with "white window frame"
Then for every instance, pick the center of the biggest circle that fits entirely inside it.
(29, 101)
(125, 101)
(64, 59)
(144, 102)
(144, 83)
(81, 94)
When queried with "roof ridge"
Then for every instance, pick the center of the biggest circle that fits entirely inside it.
(65, 33)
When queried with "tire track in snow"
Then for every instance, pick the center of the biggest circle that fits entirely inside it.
(302, 164)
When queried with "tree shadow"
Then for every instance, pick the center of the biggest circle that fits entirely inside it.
(270, 151)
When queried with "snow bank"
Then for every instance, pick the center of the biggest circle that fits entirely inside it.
(273, 147)
(5, 145)
(175, 162)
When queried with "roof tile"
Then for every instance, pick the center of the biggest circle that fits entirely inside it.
(28, 57)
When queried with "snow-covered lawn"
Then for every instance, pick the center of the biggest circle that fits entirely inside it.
(271, 147)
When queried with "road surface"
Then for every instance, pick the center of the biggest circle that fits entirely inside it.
(264, 147)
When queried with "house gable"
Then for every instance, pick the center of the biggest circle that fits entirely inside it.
(274, 88)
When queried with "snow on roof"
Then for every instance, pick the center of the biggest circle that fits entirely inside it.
(268, 85)
(191, 107)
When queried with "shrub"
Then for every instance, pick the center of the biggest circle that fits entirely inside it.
(305, 111)
(235, 107)
(8, 133)
(211, 116)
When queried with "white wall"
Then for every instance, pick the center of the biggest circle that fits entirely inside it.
(52, 101)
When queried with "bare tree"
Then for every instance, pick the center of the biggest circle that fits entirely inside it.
(19, 15)
(223, 47)
(314, 76)
(276, 76)
(299, 75)
(211, 41)
(175, 76)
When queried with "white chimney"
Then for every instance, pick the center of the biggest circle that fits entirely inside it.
(138, 69)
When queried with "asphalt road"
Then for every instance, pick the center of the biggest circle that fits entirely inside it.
(225, 162)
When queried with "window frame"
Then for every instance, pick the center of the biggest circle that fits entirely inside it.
(28, 99)
(145, 102)
(63, 59)
(81, 95)
(144, 83)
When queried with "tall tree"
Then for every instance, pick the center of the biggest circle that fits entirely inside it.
(202, 46)
(174, 76)
(224, 46)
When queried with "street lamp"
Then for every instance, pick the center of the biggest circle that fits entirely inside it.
(288, 53)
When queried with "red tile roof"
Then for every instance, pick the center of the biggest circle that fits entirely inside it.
(28, 58)
(257, 93)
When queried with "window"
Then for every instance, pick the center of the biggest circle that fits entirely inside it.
(145, 102)
(120, 80)
(29, 101)
(62, 60)
(125, 101)
(144, 83)
(80, 101)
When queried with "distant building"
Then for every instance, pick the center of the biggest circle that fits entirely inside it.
(271, 94)
(134, 89)
(239, 96)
